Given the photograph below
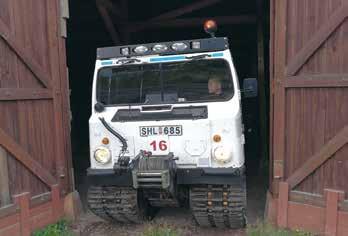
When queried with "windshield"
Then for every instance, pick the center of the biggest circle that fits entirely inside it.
(175, 82)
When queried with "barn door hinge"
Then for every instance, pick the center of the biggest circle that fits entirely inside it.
(64, 16)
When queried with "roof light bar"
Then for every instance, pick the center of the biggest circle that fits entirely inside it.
(165, 48)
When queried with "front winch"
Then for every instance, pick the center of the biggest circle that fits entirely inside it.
(154, 171)
(151, 179)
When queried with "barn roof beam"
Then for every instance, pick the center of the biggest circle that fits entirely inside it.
(191, 22)
(103, 11)
(114, 8)
(184, 10)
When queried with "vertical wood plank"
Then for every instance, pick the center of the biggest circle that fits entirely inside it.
(332, 199)
(66, 116)
(57, 207)
(23, 201)
(283, 200)
(271, 96)
(279, 99)
(5, 198)
(53, 7)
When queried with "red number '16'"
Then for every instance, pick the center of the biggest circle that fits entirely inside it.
(162, 145)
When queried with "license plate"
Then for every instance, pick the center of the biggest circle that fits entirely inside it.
(170, 130)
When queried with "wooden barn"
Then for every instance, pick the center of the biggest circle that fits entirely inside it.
(298, 50)
(309, 115)
(35, 156)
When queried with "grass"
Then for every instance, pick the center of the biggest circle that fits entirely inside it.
(59, 229)
(264, 229)
(160, 230)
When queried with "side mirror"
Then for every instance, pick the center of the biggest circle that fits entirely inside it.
(99, 107)
(250, 88)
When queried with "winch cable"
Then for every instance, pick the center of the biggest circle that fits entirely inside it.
(119, 136)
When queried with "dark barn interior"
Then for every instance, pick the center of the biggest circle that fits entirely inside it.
(104, 23)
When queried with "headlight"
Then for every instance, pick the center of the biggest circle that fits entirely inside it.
(222, 155)
(102, 155)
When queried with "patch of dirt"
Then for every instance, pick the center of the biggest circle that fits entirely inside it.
(175, 218)
(179, 220)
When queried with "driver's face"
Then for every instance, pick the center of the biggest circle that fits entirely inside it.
(214, 87)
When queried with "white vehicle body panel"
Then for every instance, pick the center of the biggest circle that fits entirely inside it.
(195, 146)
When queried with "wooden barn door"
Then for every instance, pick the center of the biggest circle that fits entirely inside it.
(310, 113)
(34, 115)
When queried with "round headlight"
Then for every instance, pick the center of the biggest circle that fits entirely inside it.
(159, 48)
(140, 49)
(179, 46)
(102, 155)
(222, 155)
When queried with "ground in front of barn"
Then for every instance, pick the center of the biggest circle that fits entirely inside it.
(171, 221)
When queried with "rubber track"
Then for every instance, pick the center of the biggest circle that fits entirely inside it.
(116, 204)
(209, 210)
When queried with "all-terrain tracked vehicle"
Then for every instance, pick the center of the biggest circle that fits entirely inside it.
(166, 131)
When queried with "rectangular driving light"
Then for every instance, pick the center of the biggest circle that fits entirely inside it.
(195, 45)
(125, 51)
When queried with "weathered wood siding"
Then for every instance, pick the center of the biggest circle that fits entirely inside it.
(315, 114)
(34, 108)
(311, 90)
(310, 114)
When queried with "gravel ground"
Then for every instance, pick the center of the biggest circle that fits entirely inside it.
(179, 220)
(175, 218)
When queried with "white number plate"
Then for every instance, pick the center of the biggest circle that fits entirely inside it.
(170, 130)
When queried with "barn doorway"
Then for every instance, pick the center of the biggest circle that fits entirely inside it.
(104, 23)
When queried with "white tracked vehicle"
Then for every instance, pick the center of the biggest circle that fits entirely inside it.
(166, 131)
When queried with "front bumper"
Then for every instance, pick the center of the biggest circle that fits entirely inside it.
(209, 175)
(107, 177)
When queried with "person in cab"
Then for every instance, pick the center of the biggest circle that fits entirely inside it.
(215, 86)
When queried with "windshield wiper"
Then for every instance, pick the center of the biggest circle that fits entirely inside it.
(127, 61)
(198, 57)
